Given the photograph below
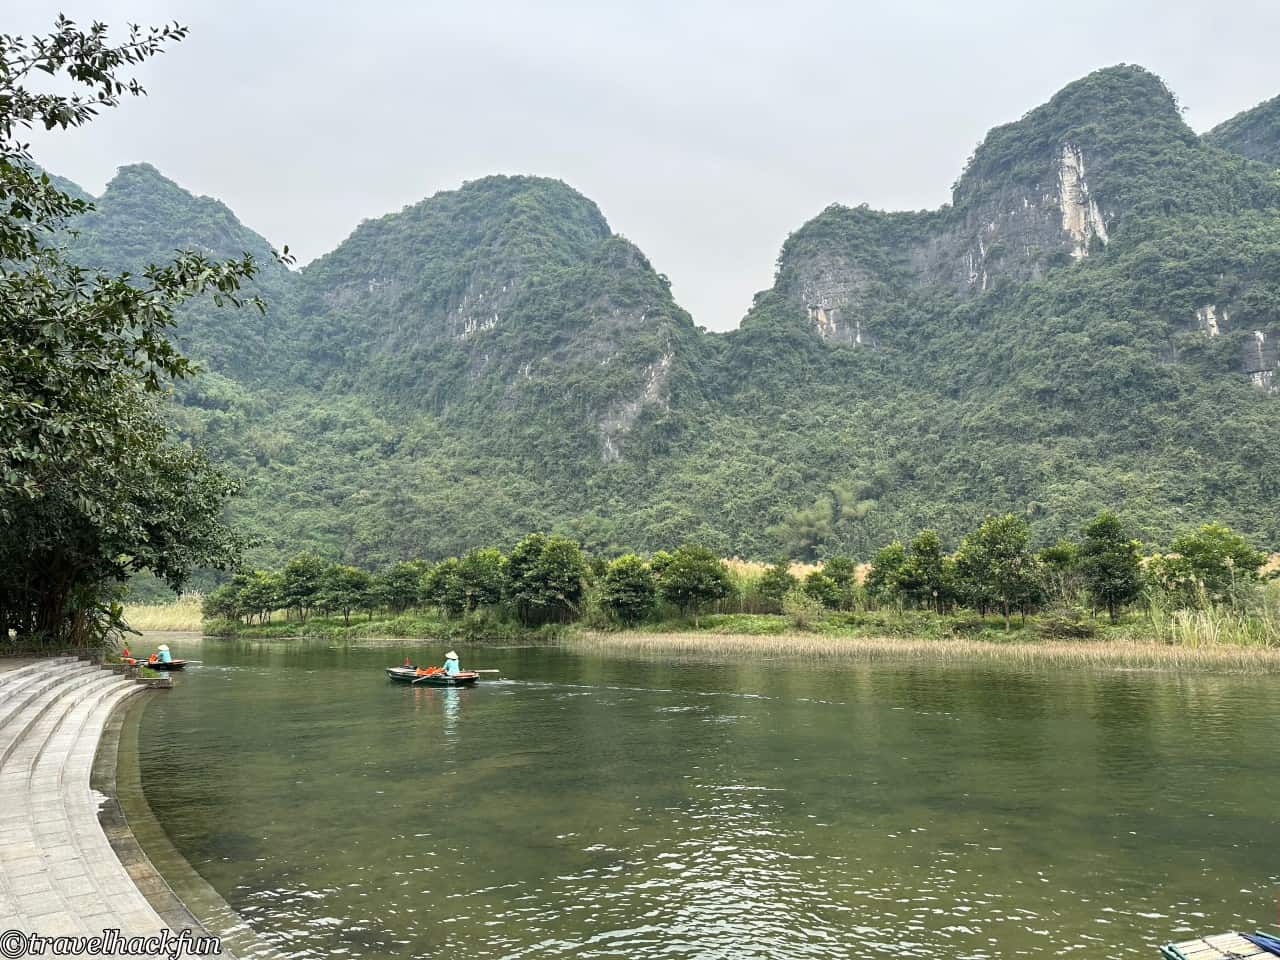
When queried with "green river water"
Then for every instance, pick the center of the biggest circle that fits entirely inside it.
(589, 806)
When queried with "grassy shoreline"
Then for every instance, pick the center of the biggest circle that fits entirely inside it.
(1114, 653)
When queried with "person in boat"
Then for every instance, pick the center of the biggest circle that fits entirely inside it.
(451, 668)
(164, 655)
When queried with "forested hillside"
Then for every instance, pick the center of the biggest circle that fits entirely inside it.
(1090, 323)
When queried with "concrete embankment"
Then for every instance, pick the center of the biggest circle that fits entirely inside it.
(59, 875)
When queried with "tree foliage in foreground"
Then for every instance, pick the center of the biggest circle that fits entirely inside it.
(92, 486)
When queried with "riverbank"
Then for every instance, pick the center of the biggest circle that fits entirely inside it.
(761, 636)
(1118, 653)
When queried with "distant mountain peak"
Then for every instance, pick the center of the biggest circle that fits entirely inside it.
(1108, 152)
(1108, 111)
(1255, 133)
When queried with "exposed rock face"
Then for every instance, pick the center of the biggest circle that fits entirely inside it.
(1003, 232)
(1081, 218)
(1210, 321)
(480, 308)
(1039, 193)
(832, 294)
(1261, 361)
(623, 414)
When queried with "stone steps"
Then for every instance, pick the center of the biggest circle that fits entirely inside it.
(31, 669)
(58, 873)
(51, 689)
(18, 686)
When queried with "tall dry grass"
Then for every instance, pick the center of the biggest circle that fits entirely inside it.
(1132, 654)
(751, 570)
(1250, 620)
(180, 614)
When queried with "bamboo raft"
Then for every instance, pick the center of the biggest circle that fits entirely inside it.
(1224, 946)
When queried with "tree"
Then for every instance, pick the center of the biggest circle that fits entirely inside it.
(92, 487)
(996, 566)
(544, 579)
(1216, 558)
(628, 589)
(775, 583)
(844, 572)
(482, 576)
(1111, 563)
(441, 586)
(259, 593)
(923, 577)
(300, 583)
(822, 588)
(345, 588)
(398, 587)
(221, 603)
(693, 578)
(884, 579)
(1060, 564)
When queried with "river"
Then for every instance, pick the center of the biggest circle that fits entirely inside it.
(587, 806)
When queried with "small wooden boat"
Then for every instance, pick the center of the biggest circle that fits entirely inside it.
(1222, 947)
(154, 665)
(411, 675)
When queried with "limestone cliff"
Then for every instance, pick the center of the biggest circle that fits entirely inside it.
(1044, 191)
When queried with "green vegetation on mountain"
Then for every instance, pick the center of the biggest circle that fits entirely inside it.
(1091, 321)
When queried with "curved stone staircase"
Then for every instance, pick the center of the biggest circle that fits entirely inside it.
(58, 873)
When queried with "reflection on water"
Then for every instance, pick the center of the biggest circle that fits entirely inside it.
(590, 807)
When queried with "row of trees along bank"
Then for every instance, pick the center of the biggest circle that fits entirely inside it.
(548, 579)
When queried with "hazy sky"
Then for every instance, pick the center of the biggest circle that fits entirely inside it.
(706, 131)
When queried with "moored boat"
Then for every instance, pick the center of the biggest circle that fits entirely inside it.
(411, 675)
(1223, 946)
(154, 664)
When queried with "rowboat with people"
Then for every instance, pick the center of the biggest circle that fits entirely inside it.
(424, 676)
(160, 660)
(448, 675)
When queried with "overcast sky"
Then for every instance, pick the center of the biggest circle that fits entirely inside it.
(706, 131)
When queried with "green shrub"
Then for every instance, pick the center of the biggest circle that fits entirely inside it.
(802, 610)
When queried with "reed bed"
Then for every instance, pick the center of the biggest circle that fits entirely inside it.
(180, 614)
(1130, 654)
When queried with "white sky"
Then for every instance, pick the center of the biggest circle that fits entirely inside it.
(706, 131)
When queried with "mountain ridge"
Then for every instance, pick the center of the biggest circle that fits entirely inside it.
(1091, 322)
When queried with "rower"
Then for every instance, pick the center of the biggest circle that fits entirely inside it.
(451, 668)
(165, 656)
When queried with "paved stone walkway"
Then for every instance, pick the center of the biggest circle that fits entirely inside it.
(58, 874)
